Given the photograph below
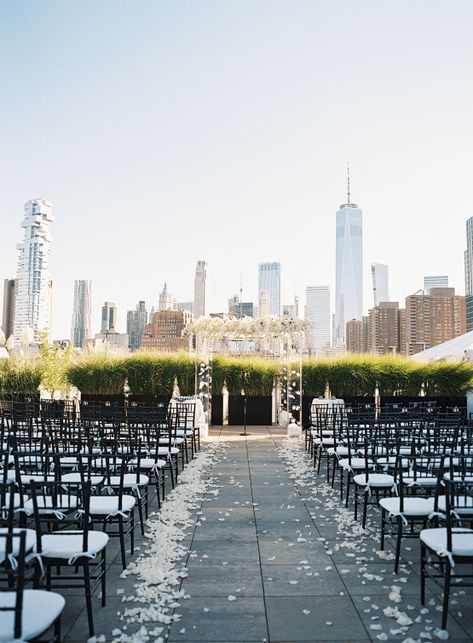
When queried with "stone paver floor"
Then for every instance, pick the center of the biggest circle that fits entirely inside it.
(292, 572)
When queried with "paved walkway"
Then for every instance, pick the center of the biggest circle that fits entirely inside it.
(267, 563)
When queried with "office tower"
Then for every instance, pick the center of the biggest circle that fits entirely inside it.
(109, 317)
(165, 331)
(357, 336)
(384, 328)
(349, 266)
(379, 277)
(165, 299)
(435, 281)
(81, 328)
(199, 289)
(33, 283)
(269, 288)
(469, 274)
(8, 316)
(112, 339)
(187, 306)
(317, 314)
(239, 309)
(136, 321)
(434, 318)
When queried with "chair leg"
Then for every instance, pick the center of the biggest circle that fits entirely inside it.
(365, 508)
(446, 593)
(104, 577)
(422, 574)
(398, 544)
(88, 598)
(383, 522)
(122, 541)
(57, 629)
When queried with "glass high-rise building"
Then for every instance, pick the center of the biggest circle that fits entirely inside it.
(33, 283)
(269, 288)
(349, 267)
(469, 274)
(317, 315)
(109, 317)
(379, 277)
(435, 281)
(81, 328)
(136, 321)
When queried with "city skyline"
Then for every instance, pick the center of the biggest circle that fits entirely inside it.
(255, 168)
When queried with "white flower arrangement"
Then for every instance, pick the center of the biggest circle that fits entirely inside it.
(288, 328)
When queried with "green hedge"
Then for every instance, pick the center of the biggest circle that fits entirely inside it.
(359, 375)
(19, 377)
(147, 373)
(152, 374)
(255, 375)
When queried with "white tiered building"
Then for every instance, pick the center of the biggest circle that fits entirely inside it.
(33, 282)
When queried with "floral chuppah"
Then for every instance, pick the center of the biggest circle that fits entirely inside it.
(279, 337)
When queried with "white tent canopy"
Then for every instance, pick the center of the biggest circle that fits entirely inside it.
(458, 349)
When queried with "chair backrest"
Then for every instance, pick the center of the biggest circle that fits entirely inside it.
(458, 506)
(7, 546)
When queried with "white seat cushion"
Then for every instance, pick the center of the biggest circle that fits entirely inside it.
(26, 478)
(30, 541)
(108, 505)
(45, 504)
(149, 463)
(466, 509)
(76, 477)
(379, 480)
(356, 463)
(40, 610)
(187, 432)
(428, 481)
(68, 544)
(436, 539)
(167, 450)
(16, 500)
(412, 506)
(130, 481)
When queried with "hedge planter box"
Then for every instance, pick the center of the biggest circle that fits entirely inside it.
(217, 410)
(258, 410)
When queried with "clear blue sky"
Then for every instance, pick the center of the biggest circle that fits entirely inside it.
(166, 132)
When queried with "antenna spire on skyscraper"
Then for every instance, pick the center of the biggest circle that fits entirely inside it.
(348, 183)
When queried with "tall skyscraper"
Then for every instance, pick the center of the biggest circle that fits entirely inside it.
(136, 321)
(317, 314)
(109, 317)
(379, 277)
(8, 316)
(435, 281)
(269, 288)
(199, 289)
(349, 266)
(165, 299)
(469, 274)
(33, 283)
(81, 329)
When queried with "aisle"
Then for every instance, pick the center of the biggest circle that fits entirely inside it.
(256, 570)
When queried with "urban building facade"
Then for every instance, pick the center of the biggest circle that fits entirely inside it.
(112, 339)
(33, 282)
(199, 289)
(187, 306)
(81, 328)
(269, 288)
(468, 257)
(109, 317)
(379, 278)
(434, 318)
(349, 266)
(435, 281)
(357, 335)
(8, 313)
(239, 309)
(166, 330)
(317, 315)
(165, 299)
(384, 328)
(136, 321)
